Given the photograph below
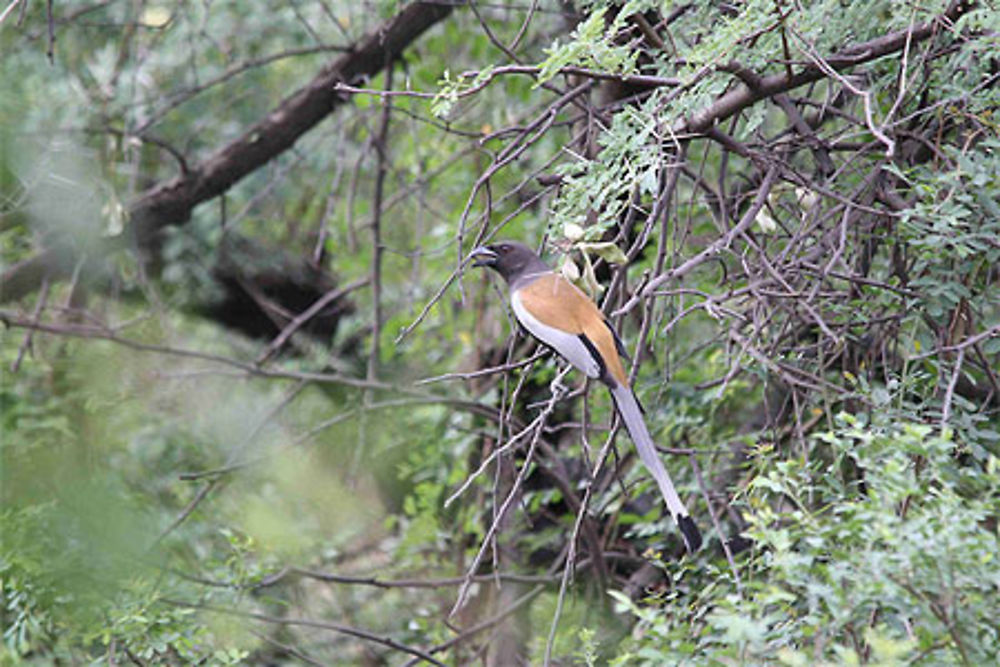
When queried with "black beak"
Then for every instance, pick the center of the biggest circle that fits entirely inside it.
(483, 256)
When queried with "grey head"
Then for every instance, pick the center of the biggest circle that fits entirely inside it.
(511, 259)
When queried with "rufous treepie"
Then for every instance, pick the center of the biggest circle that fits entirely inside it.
(561, 316)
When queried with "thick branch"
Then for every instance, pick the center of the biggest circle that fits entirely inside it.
(171, 203)
(744, 96)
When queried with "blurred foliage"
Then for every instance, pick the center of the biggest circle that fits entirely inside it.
(160, 485)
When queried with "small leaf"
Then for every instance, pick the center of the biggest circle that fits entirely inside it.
(807, 198)
(573, 231)
(589, 279)
(606, 250)
(766, 221)
(649, 183)
(569, 269)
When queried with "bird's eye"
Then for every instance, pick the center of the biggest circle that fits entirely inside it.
(504, 248)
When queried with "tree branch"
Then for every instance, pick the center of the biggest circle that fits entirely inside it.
(171, 203)
(735, 101)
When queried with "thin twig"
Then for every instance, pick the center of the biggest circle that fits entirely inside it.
(536, 428)
(950, 392)
(488, 623)
(308, 314)
(483, 372)
(50, 49)
(958, 347)
(568, 567)
(7, 10)
(693, 460)
(309, 623)
(43, 296)
(712, 250)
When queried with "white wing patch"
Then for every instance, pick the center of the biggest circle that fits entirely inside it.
(569, 346)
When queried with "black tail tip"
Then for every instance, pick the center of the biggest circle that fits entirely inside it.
(692, 536)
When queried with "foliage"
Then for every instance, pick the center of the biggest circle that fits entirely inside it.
(806, 283)
(885, 562)
(72, 557)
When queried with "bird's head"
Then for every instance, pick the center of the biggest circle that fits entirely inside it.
(508, 258)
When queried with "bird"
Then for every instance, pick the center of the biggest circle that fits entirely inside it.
(562, 317)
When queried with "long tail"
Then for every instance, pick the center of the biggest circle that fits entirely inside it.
(628, 408)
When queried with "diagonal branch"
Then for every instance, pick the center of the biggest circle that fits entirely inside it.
(360, 633)
(171, 203)
(744, 96)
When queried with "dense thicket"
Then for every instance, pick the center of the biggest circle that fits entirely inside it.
(256, 409)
